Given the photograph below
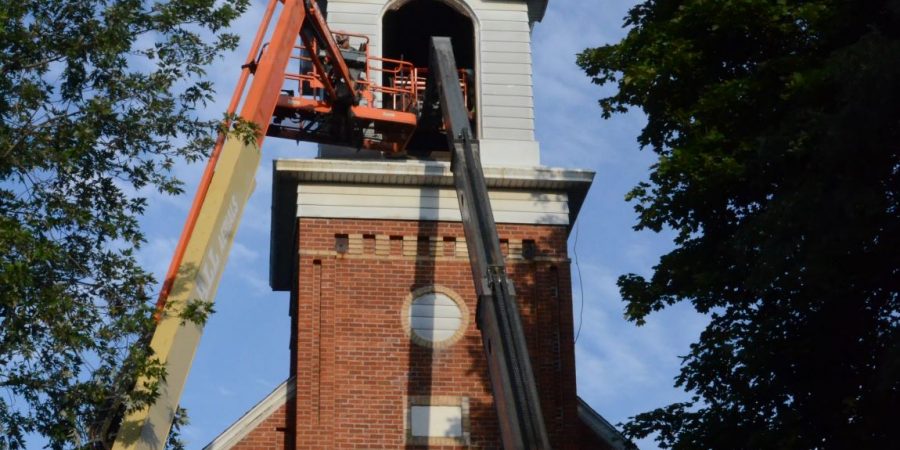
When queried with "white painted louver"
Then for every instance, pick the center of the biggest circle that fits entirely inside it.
(434, 317)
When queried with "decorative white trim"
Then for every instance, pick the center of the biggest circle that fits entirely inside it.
(525, 195)
(337, 201)
(252, 418)
(429, 173)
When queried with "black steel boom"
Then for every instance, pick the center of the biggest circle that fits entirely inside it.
(509, 366)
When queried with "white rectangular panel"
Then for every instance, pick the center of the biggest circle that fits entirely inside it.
(436, 421)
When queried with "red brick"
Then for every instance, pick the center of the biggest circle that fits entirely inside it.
(354, 365)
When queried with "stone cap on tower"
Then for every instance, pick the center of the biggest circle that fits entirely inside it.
(409, 190)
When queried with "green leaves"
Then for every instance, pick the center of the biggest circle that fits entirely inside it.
(237, 127)
(776, 129)
(98, 100)
(196, 311)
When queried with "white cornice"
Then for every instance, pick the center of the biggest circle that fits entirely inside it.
(535, 182)
(427, 173)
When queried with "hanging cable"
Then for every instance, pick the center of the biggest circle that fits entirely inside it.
(580, 284)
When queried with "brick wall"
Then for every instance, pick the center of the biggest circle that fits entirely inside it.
(271, 433)
(355, 364)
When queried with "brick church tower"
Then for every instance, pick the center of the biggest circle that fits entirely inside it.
(385, 352)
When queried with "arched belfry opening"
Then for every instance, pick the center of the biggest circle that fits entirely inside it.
(406, 29)
(408, 26)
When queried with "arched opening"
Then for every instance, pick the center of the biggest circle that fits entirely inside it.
(406, 29)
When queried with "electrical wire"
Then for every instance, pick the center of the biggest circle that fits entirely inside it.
(580, 284)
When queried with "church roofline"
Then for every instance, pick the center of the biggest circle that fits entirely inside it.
(238, 430)
(604, 430)
(252, 418)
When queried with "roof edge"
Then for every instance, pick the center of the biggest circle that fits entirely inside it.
(536, 10)
(252, 418)
(604, 430)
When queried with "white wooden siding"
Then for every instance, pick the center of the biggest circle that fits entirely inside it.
(507, 122)
(505, 25)
(505, 36)
(372, 7)
(505, 90)
(506, 47)
(420, 203)
(520, 101)
(507, 134)
(355, 17)
(356, 28)
(506, 103)
(508, 111)
(508, 79)
(505, 57)
(506, 69)
(489, 11)
(380, 3)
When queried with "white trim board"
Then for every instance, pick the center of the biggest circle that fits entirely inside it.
(425, 203)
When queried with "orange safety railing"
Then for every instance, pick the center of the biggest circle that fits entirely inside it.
(397, 84)
(308, 82)
(394, 92)
(422, 76)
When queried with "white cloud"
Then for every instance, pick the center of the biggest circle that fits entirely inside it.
(224, 391)
(264, 383)
(259, 287)
(241, 254)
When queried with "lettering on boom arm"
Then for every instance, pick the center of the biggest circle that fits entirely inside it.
(217, 252)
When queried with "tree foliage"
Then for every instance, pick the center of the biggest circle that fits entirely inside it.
(98, 100)
(777, 128)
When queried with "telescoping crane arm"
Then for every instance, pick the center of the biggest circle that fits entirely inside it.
(333, 102)
(509, 365)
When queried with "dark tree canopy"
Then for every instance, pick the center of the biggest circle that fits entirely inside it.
(777, 125)
(98, 100)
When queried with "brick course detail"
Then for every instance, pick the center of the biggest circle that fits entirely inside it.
(356, 368)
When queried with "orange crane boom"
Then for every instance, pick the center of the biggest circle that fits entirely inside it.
(334, 97)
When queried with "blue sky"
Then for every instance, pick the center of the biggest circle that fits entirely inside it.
(622, 369)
